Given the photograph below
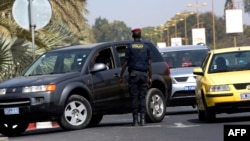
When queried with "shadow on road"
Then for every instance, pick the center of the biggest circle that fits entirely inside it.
(226, 118)
(181, 112)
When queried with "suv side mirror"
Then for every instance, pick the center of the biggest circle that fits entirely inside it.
(98, 67)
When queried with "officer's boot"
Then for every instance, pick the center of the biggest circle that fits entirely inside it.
(135, 119)
(142, 119)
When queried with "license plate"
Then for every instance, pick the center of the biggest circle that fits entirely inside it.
(11, 111)
(245, 96)
(189, 88)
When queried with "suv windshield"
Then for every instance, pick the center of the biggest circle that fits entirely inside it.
(58, 62)
(184, 58)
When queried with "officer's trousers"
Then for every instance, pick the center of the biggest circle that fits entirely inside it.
(138, 86)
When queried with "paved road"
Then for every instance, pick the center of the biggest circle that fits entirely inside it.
(180, 124)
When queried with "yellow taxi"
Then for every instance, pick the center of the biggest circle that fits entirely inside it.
(223, 83)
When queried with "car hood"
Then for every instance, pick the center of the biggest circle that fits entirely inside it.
(229, 77)
(178, 72)
(37, 80)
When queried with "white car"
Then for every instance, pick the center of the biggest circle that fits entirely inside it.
(182, 60)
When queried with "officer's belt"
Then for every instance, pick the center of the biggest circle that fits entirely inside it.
(139, 70)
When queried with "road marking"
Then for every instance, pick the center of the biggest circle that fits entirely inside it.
(176, 125)
(181, 125)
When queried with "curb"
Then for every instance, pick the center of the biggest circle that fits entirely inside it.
(4, 139)
(42, 125)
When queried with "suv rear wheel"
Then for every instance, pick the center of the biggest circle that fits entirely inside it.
(155, 105)
(77, 113)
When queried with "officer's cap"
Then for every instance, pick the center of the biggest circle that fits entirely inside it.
(136, 30)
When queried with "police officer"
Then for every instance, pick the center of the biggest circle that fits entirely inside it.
(138, 61)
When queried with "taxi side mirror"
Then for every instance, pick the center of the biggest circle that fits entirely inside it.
(198, 71)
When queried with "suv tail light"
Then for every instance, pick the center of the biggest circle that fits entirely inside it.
(168, 68)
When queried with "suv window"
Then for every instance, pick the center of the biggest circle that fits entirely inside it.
(155, 54)
(121, 53)
(105, 56)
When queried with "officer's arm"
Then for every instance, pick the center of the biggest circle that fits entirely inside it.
(149, 69)
(149, 73)
(123, 69)
(124, 65)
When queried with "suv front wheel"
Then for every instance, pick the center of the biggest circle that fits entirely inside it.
(77, 113)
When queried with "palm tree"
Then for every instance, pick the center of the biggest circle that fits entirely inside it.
(67, 26)
(71, 13)
(68, 14)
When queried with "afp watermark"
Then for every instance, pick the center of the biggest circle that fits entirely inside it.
(236, 132)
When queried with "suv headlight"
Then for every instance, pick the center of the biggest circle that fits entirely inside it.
(217, 88)
(41, 88)
(2, 91)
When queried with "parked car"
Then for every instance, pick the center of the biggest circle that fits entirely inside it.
(223, 83)
(182, 60)
(76, 86)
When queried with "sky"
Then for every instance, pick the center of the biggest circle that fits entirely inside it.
(143, 13)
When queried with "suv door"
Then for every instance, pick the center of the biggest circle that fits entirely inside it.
(106, 83)
(124, 92)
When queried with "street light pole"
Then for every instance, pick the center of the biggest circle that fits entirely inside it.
(160, 30)
(197, 10)
(214, 42)
(197, 13)
(168, 36)
(185, 23)
(175, 23)
(150, 35)
(175, 29)
(166, 28)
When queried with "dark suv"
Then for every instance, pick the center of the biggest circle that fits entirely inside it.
(76, 86)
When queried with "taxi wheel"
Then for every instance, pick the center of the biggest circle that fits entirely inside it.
(201, 115)
(77, 113)
(13, 129)
(209, 114)
(155, 105)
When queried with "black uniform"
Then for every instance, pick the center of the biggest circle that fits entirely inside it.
(138, 55)
(138, 61)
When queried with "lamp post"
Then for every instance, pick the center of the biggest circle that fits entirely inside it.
(185, 14)
(166, 28)
(160, 30)
(214, 42)
(150, 35)
(175, 23)
(197, 5)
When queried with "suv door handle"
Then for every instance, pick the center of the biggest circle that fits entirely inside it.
(116, 75)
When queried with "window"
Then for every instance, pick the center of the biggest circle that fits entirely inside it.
(185, 58)
(105, 56)
(234, 61)
(121, 53)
